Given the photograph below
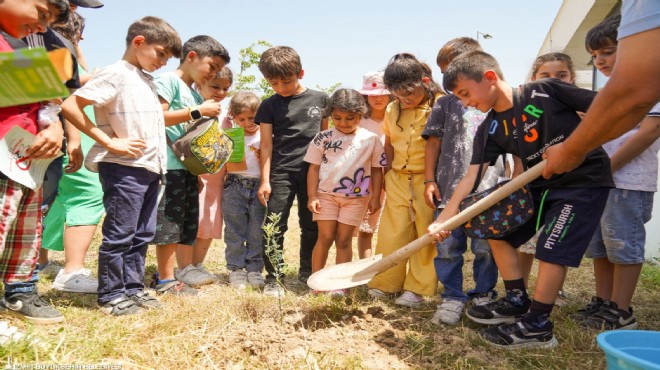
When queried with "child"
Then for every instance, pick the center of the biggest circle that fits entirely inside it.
(242, 212)
(178, 211)
(211, 185)
(449, 134)
(129, 156)
(405, 215)
(568, 206)
(289, 120)
(344, 163)
(20, 230)
(559, 66)
(617, 248)
(377, 98)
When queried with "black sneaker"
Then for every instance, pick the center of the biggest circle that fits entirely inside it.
(144, 300)
(120, 307)
(521, 334)
(610, 317)
(500, 311)
(31, 307)
(590, 309)
(303, 276)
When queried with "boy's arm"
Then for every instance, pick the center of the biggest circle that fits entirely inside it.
(313, 203)
(461, 191)
(431, 154)
(265, 155)
(72, 110)
(209, 108)
(325, 122)
(377, 182)
(73, 148)
(648, 133)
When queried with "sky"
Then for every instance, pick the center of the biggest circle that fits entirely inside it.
(338, 40)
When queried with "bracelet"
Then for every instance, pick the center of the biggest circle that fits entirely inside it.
(428, 181)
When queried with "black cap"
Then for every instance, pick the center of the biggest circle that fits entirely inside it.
(87, 3)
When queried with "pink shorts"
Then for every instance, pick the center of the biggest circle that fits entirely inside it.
(349, 211)
(210, 206)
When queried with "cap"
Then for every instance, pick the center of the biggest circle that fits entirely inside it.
(87, 3)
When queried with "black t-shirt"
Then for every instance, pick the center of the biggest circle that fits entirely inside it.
(51, 40)
(295, 120)
(549, 116)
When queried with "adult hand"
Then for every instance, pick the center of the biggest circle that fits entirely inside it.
(560, 160)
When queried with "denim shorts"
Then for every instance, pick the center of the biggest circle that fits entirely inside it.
(621, 235)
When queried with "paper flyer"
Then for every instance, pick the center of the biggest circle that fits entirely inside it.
(28, 76)
(26, 172)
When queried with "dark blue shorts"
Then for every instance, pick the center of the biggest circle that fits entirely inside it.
(568, 218)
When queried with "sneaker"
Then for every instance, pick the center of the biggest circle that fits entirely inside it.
(498, 312)
(193, 277)
(80, 281)
(51, 269)
(562, 299)
(590, 309)
(173, 287)
(255, 279)
(238, 279)
(273, 289)
(144, 300)
(204, 271)
(9, 333)
(377, 293)
(449, 312)
(480, 299)
(610, 317)
(31, 307)
(303, 276)
(520, 335)
(120, 307)
(338, 293)
(409, 299)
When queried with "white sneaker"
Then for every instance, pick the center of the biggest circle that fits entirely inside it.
(484, 298)
(204, 271)
(409, 299)
(273, 289)
(449, 312)
(191, 276)
(238, 279)
(80, 281)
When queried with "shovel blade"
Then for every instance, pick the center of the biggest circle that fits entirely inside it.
(344, 275)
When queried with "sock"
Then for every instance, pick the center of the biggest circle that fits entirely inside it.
(539, 313)
(165, 281)
(516, 292)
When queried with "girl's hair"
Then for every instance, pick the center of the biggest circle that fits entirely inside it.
(346, 100)
(553, 57)
(242, 101)
(405, 73)
(71, 28)
(226, 73)
(366, 101)
(603, 34)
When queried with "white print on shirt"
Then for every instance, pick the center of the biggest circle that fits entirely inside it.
(314, 111)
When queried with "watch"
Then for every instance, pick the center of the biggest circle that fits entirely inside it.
(195, 113)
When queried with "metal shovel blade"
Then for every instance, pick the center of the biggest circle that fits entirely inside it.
(350, 274)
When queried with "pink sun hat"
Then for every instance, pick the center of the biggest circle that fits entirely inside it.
(372, 84)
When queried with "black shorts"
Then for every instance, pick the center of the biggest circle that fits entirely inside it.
(568, 218)
(178, 209)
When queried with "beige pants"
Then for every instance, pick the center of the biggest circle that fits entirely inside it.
(405, 217)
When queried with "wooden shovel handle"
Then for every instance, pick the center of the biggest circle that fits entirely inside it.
(402, 254)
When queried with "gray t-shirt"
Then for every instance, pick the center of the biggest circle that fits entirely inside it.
(456, 126)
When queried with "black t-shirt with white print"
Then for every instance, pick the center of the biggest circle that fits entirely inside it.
(549, 116)
(296, 120)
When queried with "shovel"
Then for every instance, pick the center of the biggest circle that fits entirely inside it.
(350, 274)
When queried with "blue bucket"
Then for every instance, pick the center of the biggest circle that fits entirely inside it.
(630, 349)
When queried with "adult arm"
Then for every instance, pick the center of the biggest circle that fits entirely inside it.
(630, 93)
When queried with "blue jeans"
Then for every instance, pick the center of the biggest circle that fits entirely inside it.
(449, 266)
(49, 192)
(621, 235)
(243, 214)
(130, 197)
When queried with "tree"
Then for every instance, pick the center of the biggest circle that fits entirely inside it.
(246, 79)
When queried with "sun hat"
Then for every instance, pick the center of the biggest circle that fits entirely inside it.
(87, 3)
(372, 84)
